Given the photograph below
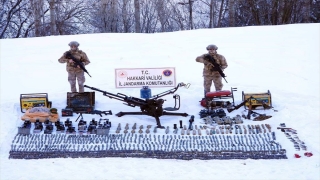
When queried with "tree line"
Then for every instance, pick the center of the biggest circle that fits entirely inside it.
(36, 18)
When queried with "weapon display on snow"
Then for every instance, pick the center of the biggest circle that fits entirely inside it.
(216, 66)
(151, 107)
(77, 62)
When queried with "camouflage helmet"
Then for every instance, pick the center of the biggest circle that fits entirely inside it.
(212, 46)
(74, 43)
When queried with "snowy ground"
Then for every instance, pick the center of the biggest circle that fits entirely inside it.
(282, 59)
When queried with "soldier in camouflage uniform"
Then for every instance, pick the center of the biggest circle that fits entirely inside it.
(75, 73)
(210, 73)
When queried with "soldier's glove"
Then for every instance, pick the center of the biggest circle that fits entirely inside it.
(211, 67)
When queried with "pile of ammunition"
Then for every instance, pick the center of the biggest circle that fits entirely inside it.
(228, 139)
(218, 146)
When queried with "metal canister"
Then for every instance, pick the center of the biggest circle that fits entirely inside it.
(145, 92)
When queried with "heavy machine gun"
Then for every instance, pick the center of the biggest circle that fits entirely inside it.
(150, 107)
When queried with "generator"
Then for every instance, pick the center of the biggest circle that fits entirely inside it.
(34, 100)
(217, 98)
(257, 99)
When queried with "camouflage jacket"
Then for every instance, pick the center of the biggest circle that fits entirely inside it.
(80, 55)
(207, 70)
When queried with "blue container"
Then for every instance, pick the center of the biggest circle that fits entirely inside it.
(145, 92)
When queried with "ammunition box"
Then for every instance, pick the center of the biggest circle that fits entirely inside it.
(81, 102)
(24, 130)
(66, 112)
(102, 131)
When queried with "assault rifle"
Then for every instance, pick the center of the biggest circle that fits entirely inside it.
(259, 117)
(216, 66)
(150, 107)
(93, 112)
(230, 109)
(77, 62)
(283, 129)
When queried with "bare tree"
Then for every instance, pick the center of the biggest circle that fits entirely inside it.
(255, 11)
(137, 16)
(114, 16)
(29, 18)
(105, 15)
(189, 4)
(127, 17)
(162, 14)
(9, 9)
(211, 16)
(274, 12)
(287, 10)
(177, 16)
(306, 11)
(149, 16)
(190, 11)
(231, 13)
(315, 13)
(4, 5)
(203, 12)
(37, 9)
(220, 13)
(14, 19)
(72, 17)
(52, 5)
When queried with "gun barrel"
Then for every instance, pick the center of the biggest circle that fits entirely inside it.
(225, 80)
(130, 101)
(93, 88)
(283, 128)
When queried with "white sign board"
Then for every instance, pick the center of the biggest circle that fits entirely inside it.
(152, 77)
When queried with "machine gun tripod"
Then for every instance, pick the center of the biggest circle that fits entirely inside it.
(150, 107)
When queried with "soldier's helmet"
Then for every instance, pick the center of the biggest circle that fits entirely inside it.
(74, 43)
(212, 46)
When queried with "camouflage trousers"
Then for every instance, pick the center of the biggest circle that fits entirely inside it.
(217, 81)
(73, 77)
